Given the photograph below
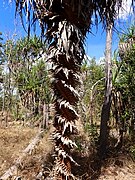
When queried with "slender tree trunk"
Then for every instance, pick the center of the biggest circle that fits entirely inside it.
(4, 94)
(91, 109)
(105, 114)
(45, 115)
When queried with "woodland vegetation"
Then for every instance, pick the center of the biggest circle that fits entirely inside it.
(49, 89)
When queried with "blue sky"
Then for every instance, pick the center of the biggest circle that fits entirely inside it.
(95, 43)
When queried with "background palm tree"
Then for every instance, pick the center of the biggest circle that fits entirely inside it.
(105, 114)
(66, 23)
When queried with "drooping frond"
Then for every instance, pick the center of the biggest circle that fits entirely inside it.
(78, 12)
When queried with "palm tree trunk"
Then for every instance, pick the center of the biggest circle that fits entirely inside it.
(65, 54)
(105, 114)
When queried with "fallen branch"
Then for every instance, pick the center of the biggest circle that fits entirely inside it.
(29, 149)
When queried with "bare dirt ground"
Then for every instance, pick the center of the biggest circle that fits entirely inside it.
(15, 138)
(118, 168)
(12, 141)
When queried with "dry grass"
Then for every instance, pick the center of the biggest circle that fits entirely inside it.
(32, 164)
(13, 140)
(118, 168)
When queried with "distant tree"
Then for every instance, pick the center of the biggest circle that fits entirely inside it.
(27, 63)
(1, 70)
(1, 55)
(92, 90)
(124, 85)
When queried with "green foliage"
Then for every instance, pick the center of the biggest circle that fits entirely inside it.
(132, 151)
(78, 142)
(124, 81)
(92, 73)
(91, 129)
(128, 34)
(26, 61)
(93, 88)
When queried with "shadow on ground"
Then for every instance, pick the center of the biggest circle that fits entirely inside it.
(93, 168)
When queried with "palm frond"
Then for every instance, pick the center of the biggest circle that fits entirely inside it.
(78, 12)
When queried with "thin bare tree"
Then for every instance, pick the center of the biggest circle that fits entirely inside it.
(105, 114)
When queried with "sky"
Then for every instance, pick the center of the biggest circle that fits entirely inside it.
(95, 43)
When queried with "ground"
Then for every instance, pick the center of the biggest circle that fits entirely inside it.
(15, 138)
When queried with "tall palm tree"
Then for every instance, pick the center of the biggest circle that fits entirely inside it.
(66, 23)
(105, 114)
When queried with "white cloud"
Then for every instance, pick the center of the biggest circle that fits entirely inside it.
(125, 11)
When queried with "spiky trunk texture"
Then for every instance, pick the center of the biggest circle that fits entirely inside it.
(65, 35)
(66, 54)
